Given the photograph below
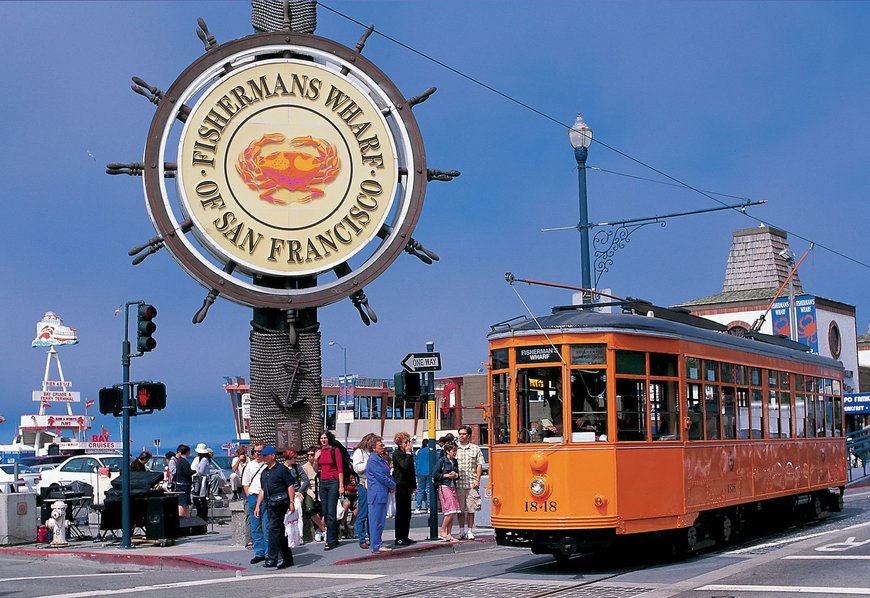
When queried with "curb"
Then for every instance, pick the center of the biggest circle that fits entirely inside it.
(149, 560)
(412, 551)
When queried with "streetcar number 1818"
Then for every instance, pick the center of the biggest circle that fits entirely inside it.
(540, 507)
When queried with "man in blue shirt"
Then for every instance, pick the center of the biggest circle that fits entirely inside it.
(421, 466)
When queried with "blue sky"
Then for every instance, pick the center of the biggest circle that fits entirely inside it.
(755, 99)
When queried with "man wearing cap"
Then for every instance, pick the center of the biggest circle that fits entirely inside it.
(277, 491)
(251, 488)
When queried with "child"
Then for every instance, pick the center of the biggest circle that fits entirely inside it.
(446, 474)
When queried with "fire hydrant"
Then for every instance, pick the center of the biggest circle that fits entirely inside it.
(58, 524)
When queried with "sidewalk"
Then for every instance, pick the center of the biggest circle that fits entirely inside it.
(215, 550)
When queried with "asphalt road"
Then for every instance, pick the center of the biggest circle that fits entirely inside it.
(829, 557)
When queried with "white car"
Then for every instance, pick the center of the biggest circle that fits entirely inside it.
(97, 470)
(27, 478)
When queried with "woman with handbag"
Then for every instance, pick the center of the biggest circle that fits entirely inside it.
(331, 469)
(277, 493)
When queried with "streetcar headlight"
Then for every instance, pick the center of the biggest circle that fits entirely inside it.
(538, 486)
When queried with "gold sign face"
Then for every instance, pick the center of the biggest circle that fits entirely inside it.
(286, 168)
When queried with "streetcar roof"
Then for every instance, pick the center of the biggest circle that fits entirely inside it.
(568, 320)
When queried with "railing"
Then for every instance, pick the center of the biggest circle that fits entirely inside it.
(859, 452)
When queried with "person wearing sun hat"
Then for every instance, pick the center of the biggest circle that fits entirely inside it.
(201, 466)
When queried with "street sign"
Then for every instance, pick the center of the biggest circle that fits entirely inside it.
(422, 362)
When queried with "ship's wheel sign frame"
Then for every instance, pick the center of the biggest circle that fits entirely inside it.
(294, 159)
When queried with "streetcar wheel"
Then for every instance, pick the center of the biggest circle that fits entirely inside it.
(816, 507)
(836, 502)
(726, 529)
(685, 540)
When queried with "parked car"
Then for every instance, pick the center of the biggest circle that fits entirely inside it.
(43, 460)
(27, 478)
(44, 466)
(98, 470)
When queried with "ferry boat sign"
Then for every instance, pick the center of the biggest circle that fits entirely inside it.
(57, 396)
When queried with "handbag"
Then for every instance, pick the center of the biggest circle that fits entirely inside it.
(274, 502)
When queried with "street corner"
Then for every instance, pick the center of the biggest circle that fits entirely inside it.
(423, 548)
(119, 558)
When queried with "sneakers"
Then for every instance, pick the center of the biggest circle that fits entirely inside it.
(462, 535)
(319, 536)
(384, 549)
(419, 511)
(469, 535)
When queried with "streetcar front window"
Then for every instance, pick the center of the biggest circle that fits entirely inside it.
(539, 405)
(588, 405)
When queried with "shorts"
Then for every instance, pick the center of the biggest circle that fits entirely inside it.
(183, 495)
(449, 503)
(469, 499)
(311, 507)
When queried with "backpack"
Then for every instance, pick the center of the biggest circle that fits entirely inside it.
(350, 476)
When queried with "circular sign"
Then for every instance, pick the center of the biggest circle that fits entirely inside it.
(299, 171)
(286, 168)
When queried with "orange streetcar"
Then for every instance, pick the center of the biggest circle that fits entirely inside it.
(609, 424)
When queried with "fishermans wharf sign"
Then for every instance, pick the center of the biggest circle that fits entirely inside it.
(286, 168)
(293, 158)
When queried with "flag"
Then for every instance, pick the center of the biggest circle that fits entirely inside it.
(89, 403)
(104, 432)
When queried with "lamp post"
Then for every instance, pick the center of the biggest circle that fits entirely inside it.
(343, 388)
(580, 137)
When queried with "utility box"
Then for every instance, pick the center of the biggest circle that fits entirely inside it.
(18, 518)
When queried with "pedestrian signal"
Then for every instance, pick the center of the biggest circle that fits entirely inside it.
(150, 396)
(111, 401)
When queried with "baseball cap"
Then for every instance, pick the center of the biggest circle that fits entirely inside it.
(269, 450)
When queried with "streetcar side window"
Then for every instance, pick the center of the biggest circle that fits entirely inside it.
(630, 409)
(696, 415)
(588, 405)
(501, 408)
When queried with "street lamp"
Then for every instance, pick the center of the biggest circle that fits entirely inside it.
(343, 387)
(580, 137)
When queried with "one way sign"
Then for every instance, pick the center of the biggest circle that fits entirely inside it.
(422, 362)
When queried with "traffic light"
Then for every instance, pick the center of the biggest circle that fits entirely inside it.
(111, 401)
(146, 328)
(407, 386)
(150, 396)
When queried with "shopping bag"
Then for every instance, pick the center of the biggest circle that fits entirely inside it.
(391, 505)
(291, 528)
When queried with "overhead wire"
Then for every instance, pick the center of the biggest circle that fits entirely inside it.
(677, 182)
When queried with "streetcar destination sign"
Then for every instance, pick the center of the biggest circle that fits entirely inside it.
(422, 362)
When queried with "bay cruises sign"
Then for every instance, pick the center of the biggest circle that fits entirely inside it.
(292, 157)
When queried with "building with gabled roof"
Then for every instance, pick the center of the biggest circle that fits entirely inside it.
(758, 266)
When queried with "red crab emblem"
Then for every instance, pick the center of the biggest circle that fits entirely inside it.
(289, 169)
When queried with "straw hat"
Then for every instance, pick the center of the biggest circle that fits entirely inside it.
(201, 449)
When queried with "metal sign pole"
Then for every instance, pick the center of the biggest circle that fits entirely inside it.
(126, 531)
(433, 445)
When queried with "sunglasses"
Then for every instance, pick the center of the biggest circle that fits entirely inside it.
(312, 454)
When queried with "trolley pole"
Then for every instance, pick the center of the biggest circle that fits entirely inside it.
(433, 413)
